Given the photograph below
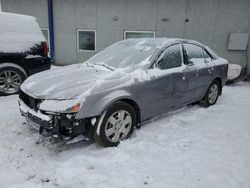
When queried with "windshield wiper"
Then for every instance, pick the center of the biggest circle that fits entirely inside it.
(104, 65)
(88, 64)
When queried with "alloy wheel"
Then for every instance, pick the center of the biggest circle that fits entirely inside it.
(118, 126)
(10, 81)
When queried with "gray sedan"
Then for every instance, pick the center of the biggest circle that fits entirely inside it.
(131, 81)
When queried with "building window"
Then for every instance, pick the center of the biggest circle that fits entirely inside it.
(139, 34)
(86, 40)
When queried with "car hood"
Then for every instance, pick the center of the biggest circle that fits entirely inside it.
(68, 82)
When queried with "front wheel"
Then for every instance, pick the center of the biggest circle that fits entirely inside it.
(115, 124)
(211, 95)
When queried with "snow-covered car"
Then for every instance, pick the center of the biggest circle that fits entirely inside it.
(23, 51)
(129, 82)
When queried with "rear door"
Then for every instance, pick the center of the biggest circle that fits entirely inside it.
(167, 86)
(210, 64)
(199, 71)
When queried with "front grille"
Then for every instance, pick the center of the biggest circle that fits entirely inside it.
(29, 101)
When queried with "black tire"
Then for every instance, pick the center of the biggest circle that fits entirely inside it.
(100, 134)
(206, 101)
(14, 69)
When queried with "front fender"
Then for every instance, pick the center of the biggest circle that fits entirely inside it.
(95, 105)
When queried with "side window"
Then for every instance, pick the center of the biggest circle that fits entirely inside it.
(194, 54)
(171, 58)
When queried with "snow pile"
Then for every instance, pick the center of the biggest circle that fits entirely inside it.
(18, 33)
(191, 147)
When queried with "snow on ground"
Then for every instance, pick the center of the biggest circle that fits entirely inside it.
(191, 147)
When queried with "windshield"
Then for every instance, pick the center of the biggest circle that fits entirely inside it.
(129, 54)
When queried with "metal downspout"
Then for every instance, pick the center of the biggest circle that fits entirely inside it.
(51, 31)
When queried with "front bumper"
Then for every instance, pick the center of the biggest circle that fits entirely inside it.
(62, 126)
(36, 119)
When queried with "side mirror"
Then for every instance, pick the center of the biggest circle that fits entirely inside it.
(208, 60)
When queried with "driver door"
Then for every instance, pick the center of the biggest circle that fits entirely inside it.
(168, 83)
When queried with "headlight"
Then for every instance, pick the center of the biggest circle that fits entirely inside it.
(75, 108)
(62, 106)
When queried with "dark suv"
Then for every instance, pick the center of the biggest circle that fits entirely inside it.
(23, 51)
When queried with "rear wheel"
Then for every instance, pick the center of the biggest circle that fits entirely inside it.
(212, 94)
(116, 124)
(11, 77)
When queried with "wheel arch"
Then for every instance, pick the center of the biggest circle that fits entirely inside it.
(8, 64)
(97, 105)
(129, 101)
(134, 105)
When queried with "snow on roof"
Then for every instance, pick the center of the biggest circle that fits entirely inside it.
(159, 41)
(162, 41)
(8, 15)
(18, 33)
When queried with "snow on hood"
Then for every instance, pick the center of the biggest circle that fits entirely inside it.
(18, 33)
(69, 82)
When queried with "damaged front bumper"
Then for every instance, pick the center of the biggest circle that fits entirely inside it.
(63, 126)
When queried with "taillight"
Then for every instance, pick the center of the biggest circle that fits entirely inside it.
(45, 49)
